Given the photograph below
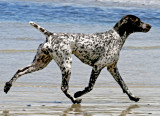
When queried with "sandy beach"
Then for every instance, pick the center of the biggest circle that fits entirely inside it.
(106, 101)
(39, 93)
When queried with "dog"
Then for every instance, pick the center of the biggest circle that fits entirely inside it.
(98, 50)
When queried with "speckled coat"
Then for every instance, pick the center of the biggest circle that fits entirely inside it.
(93, 49)
(98, 50)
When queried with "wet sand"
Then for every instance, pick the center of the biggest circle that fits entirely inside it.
(39, 93)
(102, 101)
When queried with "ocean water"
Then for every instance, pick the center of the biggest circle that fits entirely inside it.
(139, 62)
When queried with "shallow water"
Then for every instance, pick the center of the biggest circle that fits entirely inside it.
(39, 93)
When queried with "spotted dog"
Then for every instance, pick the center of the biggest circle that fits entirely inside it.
(98, 50)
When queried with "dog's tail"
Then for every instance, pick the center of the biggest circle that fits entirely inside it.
(44, 31)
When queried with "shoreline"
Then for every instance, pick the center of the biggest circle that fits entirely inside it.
(112, 102)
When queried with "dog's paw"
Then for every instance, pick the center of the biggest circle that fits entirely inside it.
(134, 98)
(7, 87)
(77, 101)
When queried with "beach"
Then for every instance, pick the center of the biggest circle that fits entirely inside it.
(39, 93)
(109, 103)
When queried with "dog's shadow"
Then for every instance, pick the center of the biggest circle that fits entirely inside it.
(128, 110)
(76, 110)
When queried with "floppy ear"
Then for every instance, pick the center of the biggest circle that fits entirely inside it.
(123, 25)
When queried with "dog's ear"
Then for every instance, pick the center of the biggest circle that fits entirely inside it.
(135, 20)
(122, 25)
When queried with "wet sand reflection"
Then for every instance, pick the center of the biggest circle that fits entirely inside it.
(76, 110)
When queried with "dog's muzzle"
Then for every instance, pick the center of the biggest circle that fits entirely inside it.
(146, 27)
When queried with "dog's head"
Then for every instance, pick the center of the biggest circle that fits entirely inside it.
(131, 24)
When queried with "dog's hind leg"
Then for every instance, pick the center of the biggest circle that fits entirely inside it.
(41, 60)
(94, 75)
(115, 73)
(64, 61)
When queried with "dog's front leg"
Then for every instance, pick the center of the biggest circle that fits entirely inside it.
(94, 75)
(115, 73)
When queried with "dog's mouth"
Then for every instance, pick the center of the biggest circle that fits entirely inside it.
(146, 27)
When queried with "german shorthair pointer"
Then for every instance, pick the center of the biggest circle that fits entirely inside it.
(98, 50)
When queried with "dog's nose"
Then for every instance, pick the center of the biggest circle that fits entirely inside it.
(148, 26)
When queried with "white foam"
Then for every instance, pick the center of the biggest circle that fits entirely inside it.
(154, 3)
(120, 3)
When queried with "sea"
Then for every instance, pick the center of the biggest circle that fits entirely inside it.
(139, 62)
